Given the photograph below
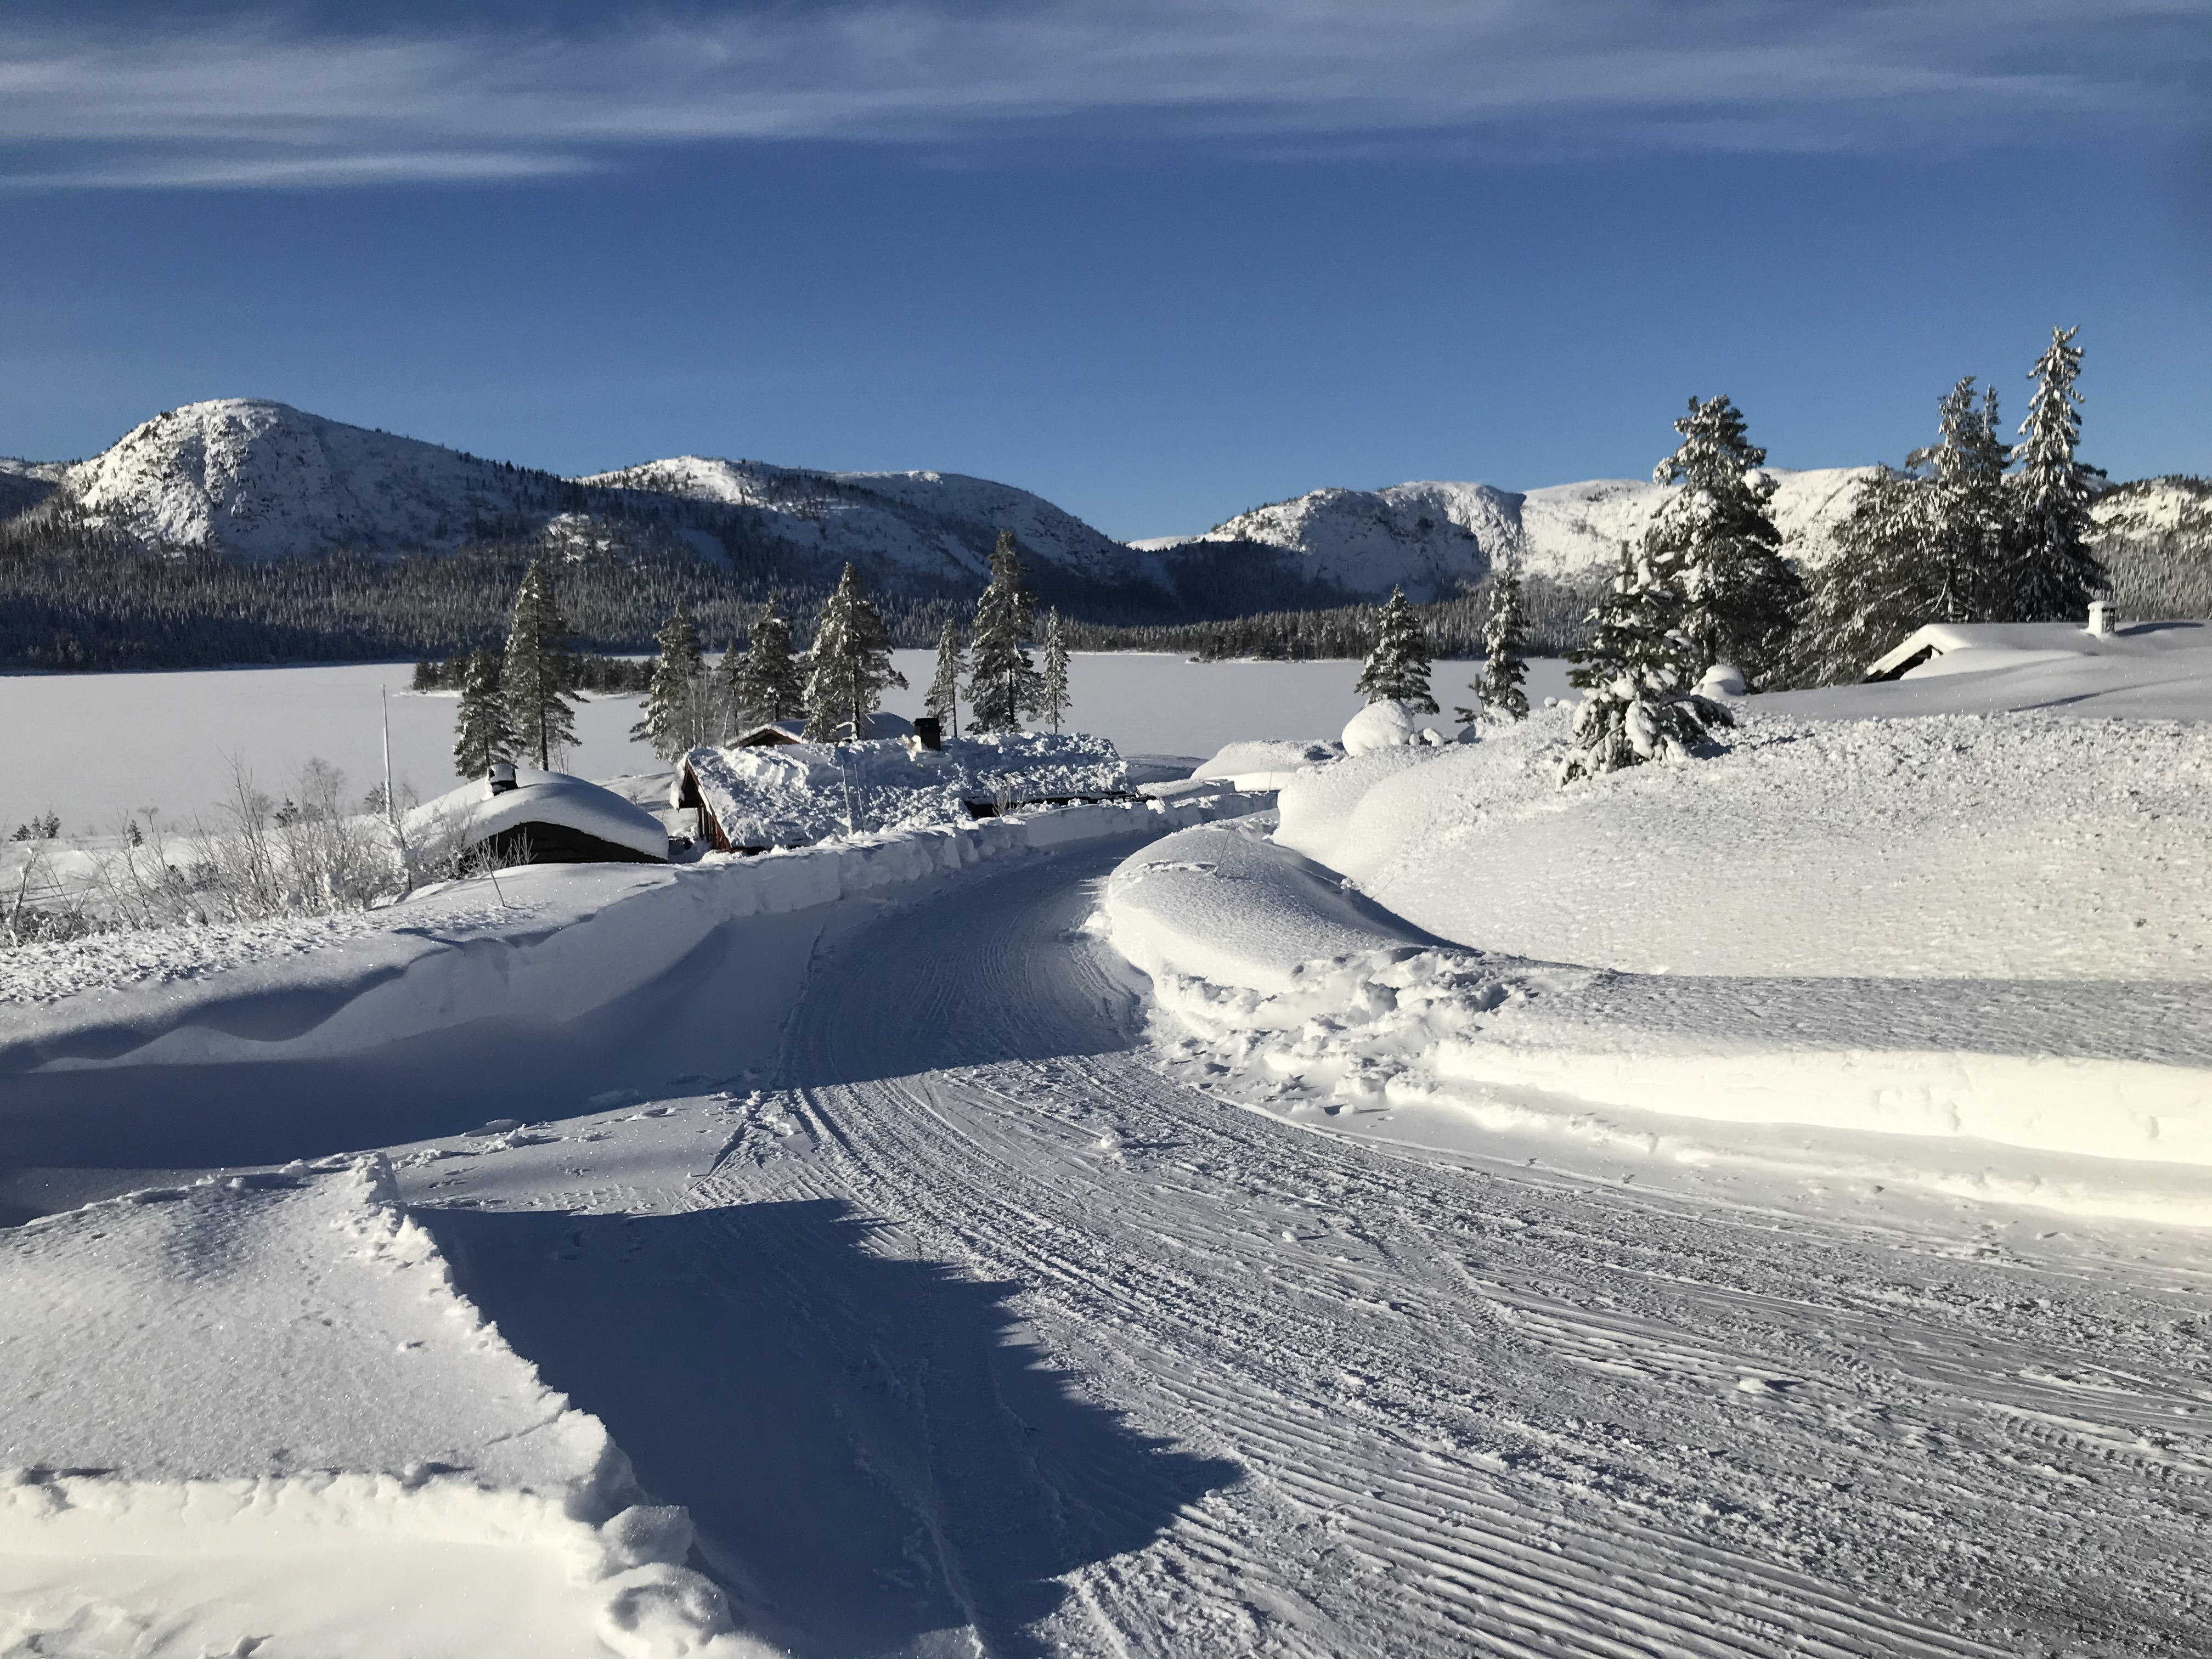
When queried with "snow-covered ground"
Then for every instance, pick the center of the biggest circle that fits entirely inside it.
(91, 747)
(968, 1290)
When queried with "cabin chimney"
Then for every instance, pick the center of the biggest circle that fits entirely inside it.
(2102, 619)
(930, 730)
(500, 777)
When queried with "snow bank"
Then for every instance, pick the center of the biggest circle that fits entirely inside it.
(796, 794)
(551, 942)
(2012, 845)
(1272, 978)
(1267, 764)
(258, 1411)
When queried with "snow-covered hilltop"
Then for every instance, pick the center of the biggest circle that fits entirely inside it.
(262, 480)
(938, 524)
(1432, 537)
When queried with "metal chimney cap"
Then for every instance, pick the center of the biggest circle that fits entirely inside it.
(500, 776)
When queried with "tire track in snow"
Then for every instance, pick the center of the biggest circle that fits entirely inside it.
(1476, 1409)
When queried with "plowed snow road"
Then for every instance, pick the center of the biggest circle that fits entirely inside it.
(981, 1335)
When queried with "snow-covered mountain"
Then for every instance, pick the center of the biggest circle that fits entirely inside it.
(1432, 537)
(934, 524)
(261, 480)
(25, 483)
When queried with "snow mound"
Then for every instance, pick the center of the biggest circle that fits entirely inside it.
(1384, 725)
(258, 1409)
(2142, 671)
(2012, 845)
(1273, 982)
(1266, 764)
(796, 794)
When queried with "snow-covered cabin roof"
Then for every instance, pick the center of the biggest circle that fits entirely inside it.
(795, 793)
(1965, 647)
(473, 813)
(881, 724)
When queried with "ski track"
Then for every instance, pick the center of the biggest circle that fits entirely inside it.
(1470, 1408)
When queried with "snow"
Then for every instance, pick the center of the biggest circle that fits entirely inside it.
(937, 524)
(260, 1402)
(473, 813)
(1430, 537)
(1265, 763)
(166, 739)
(1382, 724)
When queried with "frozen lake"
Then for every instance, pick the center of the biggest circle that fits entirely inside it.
(92, 746)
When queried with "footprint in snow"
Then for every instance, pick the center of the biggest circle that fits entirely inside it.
(1768, 1385)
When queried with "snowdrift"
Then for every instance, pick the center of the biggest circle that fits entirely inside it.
(548, 942)
(258, 1412)
(795, 794)
(1990, 931)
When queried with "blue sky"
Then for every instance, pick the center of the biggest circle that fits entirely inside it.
(1159, 260)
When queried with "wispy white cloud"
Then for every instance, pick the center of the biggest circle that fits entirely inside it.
(249, 102)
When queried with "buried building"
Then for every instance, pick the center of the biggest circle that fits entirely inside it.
(750, 799)
(518, 816)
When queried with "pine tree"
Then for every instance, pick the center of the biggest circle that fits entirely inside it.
(2052, 574)
(1052, 694)
(537, 677)
(849, 665)
(1002, 683)
(1963, 514)
(675, 716)
(1716, 542)
(944, 699)
(482, 731)
(766, 683)
(1497, 686)
(1397, 667)
(1634, 676)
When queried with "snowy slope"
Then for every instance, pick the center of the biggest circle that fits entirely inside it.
(25, 483)
(938, 524)
(1431, 537)
(262, 480)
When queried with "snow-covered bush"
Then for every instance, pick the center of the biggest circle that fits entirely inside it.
(1387, 725)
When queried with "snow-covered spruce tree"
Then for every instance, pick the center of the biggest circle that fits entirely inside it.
(1496, 684)
(766, 684)
(1716, 542)
(2052, 574)
(539, 672)
(1397, 667)
(943, 701)
(482, 731)
(1925, 544)
(1635, 677)
(849, 664)
(1875, 587)
(675, 717)
(1052, 690)
(1002, 683)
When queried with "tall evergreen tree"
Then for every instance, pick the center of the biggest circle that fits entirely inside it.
(1052, 692)
(2052, 574)
(849, 664)
(676, 715)
(482, 731)
(1964, 516)
(766, 684)
(944, 699)
(1635, 677)
(539, 671)
(1715, 542)
(1496, 684)
(1875, 587)
(1002, 681)
(1397, 667)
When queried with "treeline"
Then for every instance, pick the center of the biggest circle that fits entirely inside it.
(1557, 621)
